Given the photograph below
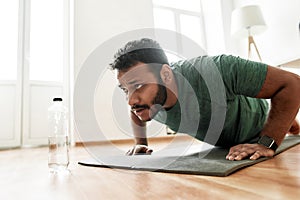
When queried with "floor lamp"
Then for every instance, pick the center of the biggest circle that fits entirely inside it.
(246, 22)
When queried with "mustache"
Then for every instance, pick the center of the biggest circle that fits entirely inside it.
(136, 107)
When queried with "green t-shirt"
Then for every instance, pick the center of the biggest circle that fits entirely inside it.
(215, 100)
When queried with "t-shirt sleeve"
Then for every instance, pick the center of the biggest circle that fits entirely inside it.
(240, 76)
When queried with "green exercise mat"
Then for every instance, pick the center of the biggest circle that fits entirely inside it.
(209, 162)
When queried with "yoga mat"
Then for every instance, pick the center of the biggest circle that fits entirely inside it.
(209, 162)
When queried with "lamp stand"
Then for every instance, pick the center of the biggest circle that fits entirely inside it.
(251, 41)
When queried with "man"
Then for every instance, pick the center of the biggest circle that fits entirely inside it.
(219, 100)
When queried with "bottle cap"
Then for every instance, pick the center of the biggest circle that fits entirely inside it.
(57, 99)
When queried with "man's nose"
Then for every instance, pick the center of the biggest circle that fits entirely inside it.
(133, 98)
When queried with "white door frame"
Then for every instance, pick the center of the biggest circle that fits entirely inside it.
(34, 128)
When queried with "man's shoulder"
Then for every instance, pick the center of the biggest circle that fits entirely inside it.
(196, 63)
(200, 59)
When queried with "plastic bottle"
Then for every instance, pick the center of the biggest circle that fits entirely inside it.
(58, 156)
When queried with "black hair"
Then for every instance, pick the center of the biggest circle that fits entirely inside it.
(144, 50)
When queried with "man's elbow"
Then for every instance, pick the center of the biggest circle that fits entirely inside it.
(294, 85)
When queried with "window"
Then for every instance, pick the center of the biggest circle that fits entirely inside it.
(184, 17)
(199, 20)
(9, 39)
(188, 5)
(46, 40)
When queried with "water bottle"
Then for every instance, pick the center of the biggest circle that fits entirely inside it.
(58, 156)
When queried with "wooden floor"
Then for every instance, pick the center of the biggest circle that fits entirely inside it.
(24, 175)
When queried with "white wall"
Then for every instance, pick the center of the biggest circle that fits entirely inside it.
(95, 22)
(281, 42)
(98, 20)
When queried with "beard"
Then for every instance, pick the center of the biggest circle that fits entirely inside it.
(158, 101)
(157, 104)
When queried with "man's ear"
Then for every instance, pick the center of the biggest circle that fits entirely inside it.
(166, 73)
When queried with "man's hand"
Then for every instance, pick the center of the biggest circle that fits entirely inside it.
(139, 149)
(254, 151)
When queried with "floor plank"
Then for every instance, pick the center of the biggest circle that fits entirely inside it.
(24, 175)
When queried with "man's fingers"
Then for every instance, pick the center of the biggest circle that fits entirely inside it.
(239, 152)
(241, 155)
(139, 149)
(135, 149)
(149, 151)
(256, 155)
(129, 152)
(254, 151)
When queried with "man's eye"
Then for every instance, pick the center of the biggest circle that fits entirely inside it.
(138, 86)
(125, 90)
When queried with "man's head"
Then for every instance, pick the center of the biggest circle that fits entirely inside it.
(144, 51)
(142, 66)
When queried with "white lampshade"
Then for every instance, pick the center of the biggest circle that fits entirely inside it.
(247, 20)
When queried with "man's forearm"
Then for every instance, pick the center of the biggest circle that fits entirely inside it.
(284, 107)
(139, 130)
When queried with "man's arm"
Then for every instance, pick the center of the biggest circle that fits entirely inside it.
(139, 130)
(283, 88)
(140, 136)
